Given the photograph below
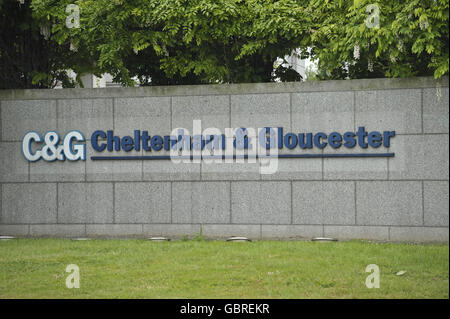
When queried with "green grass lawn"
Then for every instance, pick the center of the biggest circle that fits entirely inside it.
(35, 268)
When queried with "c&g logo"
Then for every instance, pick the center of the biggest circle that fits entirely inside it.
(51, 149)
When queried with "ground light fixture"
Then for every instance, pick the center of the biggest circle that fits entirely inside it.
(238, 239)
(80, 239)
(6, 237)
(324, 239)
(159, 239)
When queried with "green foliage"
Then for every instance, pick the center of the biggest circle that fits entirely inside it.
(200, 236)
(311, 74)
(411, 39)
(202, 40)
(165, 42)
(27, 59)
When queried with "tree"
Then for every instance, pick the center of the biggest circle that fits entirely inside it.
(27, 59)
(200, 41)
(386, 38)
(166, 42)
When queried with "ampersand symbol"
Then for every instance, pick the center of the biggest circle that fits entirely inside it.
(241, 141)
(50, 151)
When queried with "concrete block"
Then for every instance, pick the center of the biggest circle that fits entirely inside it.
(389, 203)
(201, 202)
(230, 171)
(85, 115)
(165, 170)
(260, 110)
(261, 202)
(224, 231)
(435, 110)
(213, 111)
(182, 202)
(419, 157)
(22, 116)
(58, 171)
(322, 112)
(296, 168)
(170, 170)
(142, 202)
(29, 203)
(14, 230)
(238, 169)
(383, 110)
(142, 113)
(357, 232)
(13, 165)
(323, 203)
(171, 230)
(221, 89)
(419, 234)
(363, 168)
(436, 203)
(113, 170)
(113, 230)
(85, 203)
(58, 230)
(291, 231)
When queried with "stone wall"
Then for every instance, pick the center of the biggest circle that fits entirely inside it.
(401, 198)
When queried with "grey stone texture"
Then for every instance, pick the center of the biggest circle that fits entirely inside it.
(143, 113)
(29, 203)
(435, 110)
(357, 232)
(323, 203)
(114, 230)
(400, 198)
(110, 170)
(436, 200)
(260, 110)
(223, 89)
(419, 234)
(69, 230)
(398, 110)
(261, 202)
(225, 231)
(296, 170)
(13, 166)
(419, 157)
(142, 202)
(14, 230)
(170, 170)
(80, 203)
(322, 112)
(212, 111)
(355, 168)
(171, 230)
(85, 115)
(21, 116)
(230, 171)
(201, 202)
(291, 231)
(57, 171)
(389, 203)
